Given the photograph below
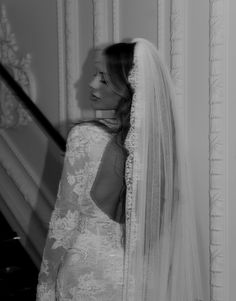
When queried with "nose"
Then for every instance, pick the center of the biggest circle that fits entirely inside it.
(94, 83)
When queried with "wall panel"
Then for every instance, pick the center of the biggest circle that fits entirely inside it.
(197, 113)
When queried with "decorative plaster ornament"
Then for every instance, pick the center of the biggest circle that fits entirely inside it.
(218, 148)
(12, 113)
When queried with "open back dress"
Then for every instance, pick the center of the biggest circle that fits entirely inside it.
(84, 251)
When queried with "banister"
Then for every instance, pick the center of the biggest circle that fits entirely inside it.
(26, 101)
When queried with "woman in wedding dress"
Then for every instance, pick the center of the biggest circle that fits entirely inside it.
(122, 227)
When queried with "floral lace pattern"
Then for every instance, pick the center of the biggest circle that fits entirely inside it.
(83, 256)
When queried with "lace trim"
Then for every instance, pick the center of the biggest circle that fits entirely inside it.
(131, 176)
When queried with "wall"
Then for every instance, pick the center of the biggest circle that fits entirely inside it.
(28, 157)
(144, 19)
(34, 24)
(63, 92)
(152, 20)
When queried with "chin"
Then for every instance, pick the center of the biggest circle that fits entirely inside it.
(96, 106)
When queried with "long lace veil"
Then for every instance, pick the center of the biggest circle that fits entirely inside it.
(161, 261)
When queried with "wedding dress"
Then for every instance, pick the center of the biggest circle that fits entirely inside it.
(83, 257)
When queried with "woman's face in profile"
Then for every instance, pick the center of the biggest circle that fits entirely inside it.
(103, 96)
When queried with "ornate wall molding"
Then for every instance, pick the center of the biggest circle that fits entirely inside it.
(69, 51)
(69, 63)
(100, 15)
(19, 183)
(178, 68)
(68, 60)
(72, 51)
(178, 47)
(218, 149)
(161, 26)
(116, 20)
(12, 113)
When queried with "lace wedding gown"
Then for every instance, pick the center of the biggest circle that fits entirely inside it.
(83, 256)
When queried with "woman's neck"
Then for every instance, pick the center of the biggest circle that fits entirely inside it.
(105, 114)
(108, 117)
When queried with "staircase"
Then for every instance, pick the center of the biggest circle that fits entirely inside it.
(18, 274)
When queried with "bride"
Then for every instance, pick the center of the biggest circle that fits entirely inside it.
(122, 227)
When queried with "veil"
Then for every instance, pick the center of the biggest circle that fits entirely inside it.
(161, 260)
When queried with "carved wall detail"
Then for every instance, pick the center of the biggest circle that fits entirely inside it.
(178, 49)
(69, 50)
(11, 112)
(217, 148)
(177, 61)
(68, 58)
(161, 27)
(72, 57)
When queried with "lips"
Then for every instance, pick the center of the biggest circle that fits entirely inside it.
(94, 97)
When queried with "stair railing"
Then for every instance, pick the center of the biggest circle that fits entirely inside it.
(37, 115)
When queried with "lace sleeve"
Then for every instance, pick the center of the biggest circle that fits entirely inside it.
(82, 145)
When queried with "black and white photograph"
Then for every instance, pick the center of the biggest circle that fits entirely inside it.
(117, 150)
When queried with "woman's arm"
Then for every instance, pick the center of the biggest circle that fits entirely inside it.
(84, 145)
